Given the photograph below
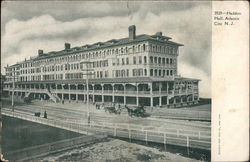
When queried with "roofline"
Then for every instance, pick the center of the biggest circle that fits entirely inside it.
(99, 48)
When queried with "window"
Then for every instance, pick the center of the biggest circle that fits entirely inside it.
(127, 72)
(163, 61)
(123, 62)
(140, 72)
(155, 72)
(134, 72)
(145, 59)
(140, 60)
(100, 74)
(155, 60)
(118, 62)
(159, 60)
(159, 72)
(151, 59)
(127, 60)
(113, 62)
(106, 74)
(134, 60)
(145, 72)
(143, 47)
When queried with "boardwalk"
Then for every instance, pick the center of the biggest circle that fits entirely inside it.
(187, 138)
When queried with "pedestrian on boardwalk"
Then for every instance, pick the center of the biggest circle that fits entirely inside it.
(45, 114)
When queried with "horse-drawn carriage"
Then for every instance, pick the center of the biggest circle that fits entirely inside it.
(137, 111)
(116, 109)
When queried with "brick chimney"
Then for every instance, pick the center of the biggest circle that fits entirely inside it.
(67, 46)
(158, 33)
(132, 32)
(40, 52)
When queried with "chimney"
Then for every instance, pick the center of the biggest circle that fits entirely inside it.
(40, 52)
(159, 34)
(67, 46)
(132, 30)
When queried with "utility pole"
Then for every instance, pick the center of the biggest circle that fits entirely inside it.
(13, 91)
(87, 85)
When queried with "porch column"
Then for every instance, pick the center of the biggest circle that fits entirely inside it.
(76, 92)
(198, 91)
(160, 97)
(137, 95)
(102, 93)
(56, 88)
(124, 99)
(113, 92)
(167, 95)
(174, 100)
(192, 91)
(62, 91)
(151, 95)
(84, 95)
(69, 93)
(93, 99)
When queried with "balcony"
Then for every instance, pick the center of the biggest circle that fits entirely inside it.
(107, 92)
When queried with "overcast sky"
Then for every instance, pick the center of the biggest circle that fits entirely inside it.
(29, 26)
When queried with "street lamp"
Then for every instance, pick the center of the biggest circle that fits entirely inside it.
(87, 84)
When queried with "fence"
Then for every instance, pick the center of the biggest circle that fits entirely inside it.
(187, 138)
(46, 149)
(185, 114)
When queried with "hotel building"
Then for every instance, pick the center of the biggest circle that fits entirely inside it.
(137, 70)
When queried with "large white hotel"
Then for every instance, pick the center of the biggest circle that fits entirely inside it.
(137, 70)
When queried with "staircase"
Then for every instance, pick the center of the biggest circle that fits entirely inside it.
(27, 95)
(57, 98)
(53, 96)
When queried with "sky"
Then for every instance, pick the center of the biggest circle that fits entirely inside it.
(28, 26)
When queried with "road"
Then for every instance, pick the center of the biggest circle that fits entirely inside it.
(78, 112)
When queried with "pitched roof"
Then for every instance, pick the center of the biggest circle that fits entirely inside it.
(110, 43)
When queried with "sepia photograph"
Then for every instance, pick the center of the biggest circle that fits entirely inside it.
(106, 81)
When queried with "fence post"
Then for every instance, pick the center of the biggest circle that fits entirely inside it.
(199, 135)
(188, 145)
(115, 131)
(165, 142)
(102, 128)
(129, 135)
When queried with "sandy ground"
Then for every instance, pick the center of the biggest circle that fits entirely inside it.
(117, 151)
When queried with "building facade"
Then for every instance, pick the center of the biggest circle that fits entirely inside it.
(137, 70)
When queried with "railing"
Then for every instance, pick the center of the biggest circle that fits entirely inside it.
(187, 138)
(121, 92)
